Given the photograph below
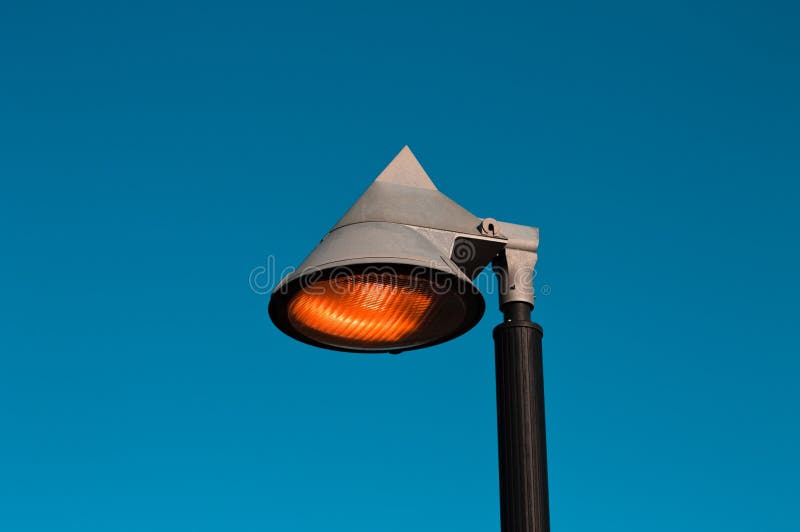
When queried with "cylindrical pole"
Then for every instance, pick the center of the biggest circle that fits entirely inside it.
(524, 505)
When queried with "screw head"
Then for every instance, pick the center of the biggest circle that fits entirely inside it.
(489, 227)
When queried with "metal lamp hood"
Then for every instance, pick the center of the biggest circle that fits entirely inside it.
(402, 231)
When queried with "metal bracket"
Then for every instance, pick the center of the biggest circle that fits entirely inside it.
(515, 265)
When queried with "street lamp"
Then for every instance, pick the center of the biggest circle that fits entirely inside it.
(396, 273)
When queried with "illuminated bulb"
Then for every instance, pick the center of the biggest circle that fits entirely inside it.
(373, 311)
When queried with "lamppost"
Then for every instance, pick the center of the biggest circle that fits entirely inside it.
(396, 273)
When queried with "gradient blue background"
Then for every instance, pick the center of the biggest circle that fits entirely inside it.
(153, 153)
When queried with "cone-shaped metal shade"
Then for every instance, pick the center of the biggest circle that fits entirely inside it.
(404, 194)
(384, 278)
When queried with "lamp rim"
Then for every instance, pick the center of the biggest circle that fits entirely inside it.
(281, 297)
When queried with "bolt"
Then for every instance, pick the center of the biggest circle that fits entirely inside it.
(489, 227)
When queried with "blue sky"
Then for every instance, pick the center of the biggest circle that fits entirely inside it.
(152, 154)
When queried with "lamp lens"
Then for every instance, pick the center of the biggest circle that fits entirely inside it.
(376, 311)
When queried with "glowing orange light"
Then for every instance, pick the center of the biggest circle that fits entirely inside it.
(369, 310)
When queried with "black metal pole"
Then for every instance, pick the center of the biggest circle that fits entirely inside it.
(524, 505)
